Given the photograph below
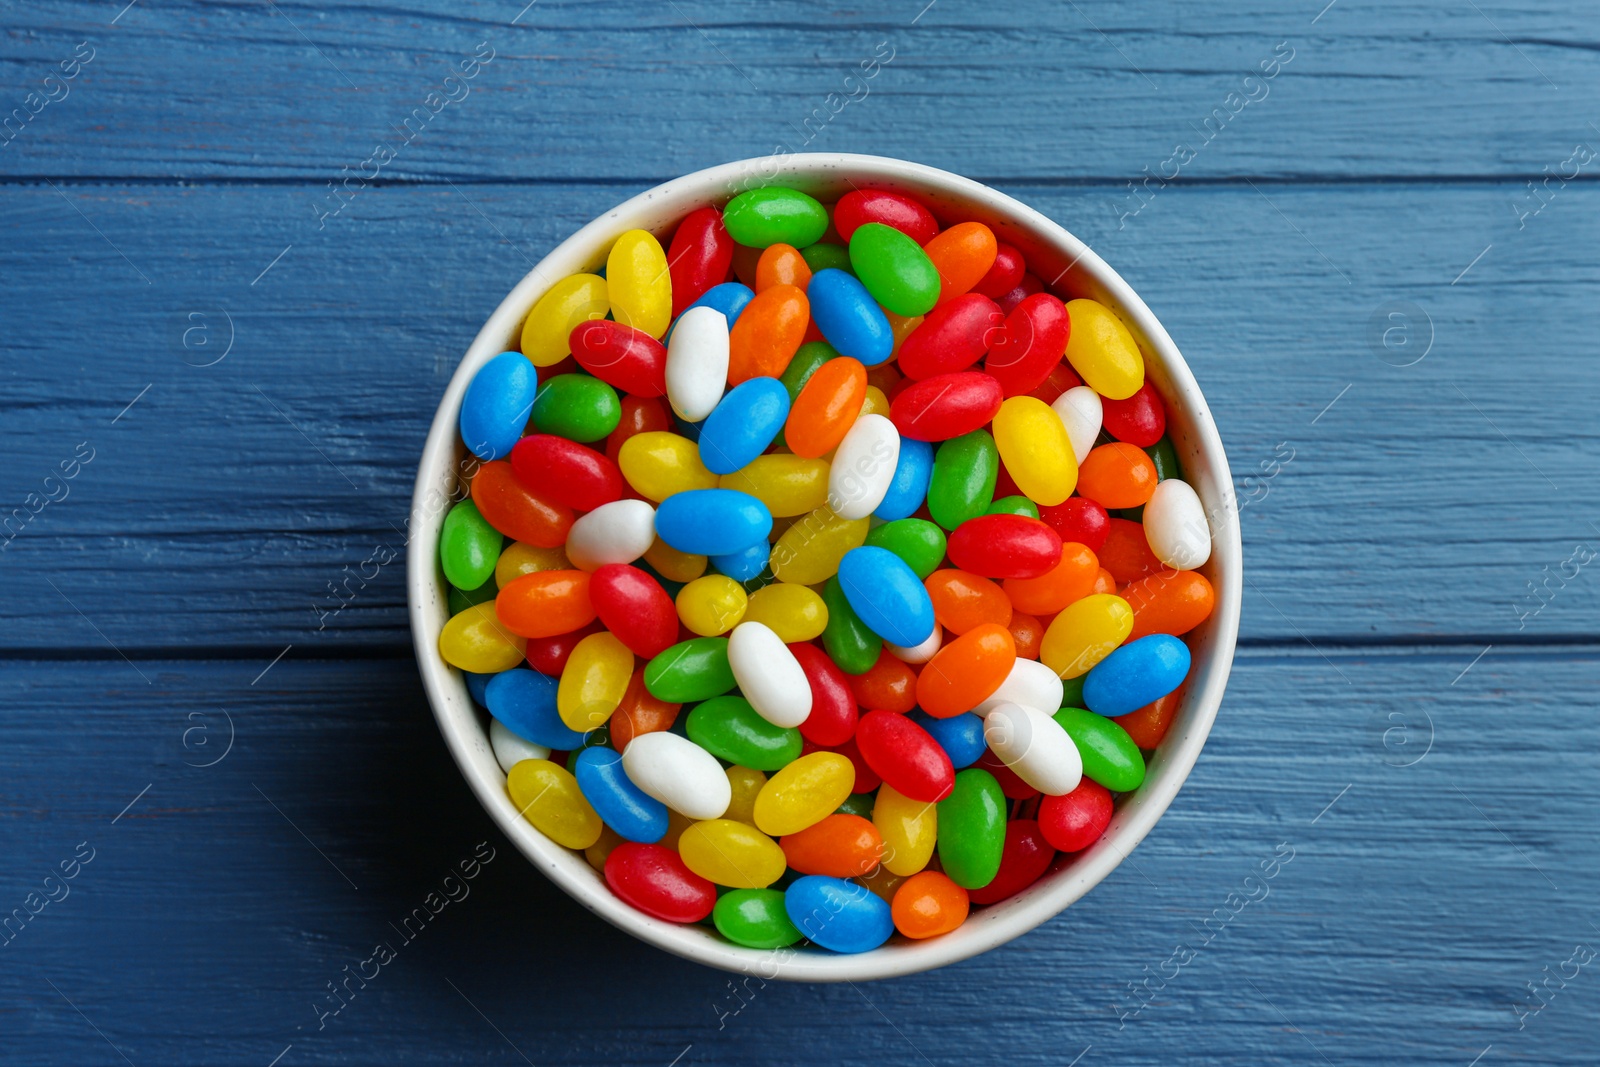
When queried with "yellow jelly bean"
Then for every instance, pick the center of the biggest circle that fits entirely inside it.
(1102, 351)
(1085, 633)
(658, 463)
(732, 853)
(673, 565)
(876, 403)
(712, 605)
(804, 793)
(1035, 448)
(476, 641)
(787, 484)
(677, 823)
(910, 829)
(596, 853)
(520, 558)
(548, 796)
(900, 327)
(809, 551)
(570, 301)
(881, 880)
(638, 283)
(746, 784)
(793, 612)
(594, 682)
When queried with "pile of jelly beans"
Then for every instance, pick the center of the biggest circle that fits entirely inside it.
(823, 574)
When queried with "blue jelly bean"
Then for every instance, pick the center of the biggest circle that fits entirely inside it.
(621, 805)
(1136, 674)
(476, 685)
(961, 737)
(713, 522)
(745, 421)
(886, 595)
(495, 409)
(848, 317)
(838, 915)
(730, 298)
(909, 487)
(525, 701)
(747, 565)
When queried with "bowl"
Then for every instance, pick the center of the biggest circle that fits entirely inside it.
(1069, 267)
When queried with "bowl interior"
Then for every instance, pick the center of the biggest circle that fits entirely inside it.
(1067, 266)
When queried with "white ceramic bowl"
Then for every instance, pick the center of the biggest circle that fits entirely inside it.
(1065, 263)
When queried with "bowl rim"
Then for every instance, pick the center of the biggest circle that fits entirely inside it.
(463, 725)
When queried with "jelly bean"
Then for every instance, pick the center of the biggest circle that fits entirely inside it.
(929, 904)
(909, 829)
(1028, 633)
(730, 298)
(1026, 857)
(788, 485)
(1169, 602)
(1013, 787)
(952, 337)
(840, 916)
(1103, 351)
(1109, 755)
(509, 749)
(639, 283)
(619, 532)
(919, 653)
(1079, 520)
(1035, 448)
(633, 606)
(803, 793)
(1013, 505)
(679, 773)
(962, 255)
(639, 713)
(746, 565)
(1025, 288)
(864, 466)
(889, 685)
(1036, 333)
(1060, 379)
(826, 408)
(946, 406)
(1175, 525)
(457, 601)
(712, 522)
(594, 682)
(768, 675)
(758, 218)
(849, 318)
(526, 702)
(882, 883)
(905, 756)
(1035, 747)
(597, 853)
(655, 880)
(972, 829)
(1072, 692)
(515, 511)
(918, 542)
(745, 261)
(1148, 725)
(768, 333)
(496, 404)
(809, 551)
(547, 795)
(866, 779)
(620, 804)
(782, 264)
(962, 601)
(886, 595)
(961, 737)
(729, 728)
(1076, 820)
(743, 424)
(696, 669)
(1004, 546)
(1139, 420)
(857, 804)
(833, 707)
(711, 605)
(1071, 579)
(746, 783)
(1085, 633)
(549, 655)
(621, 356)
(1165, 457)
(566, 472)
(568, 302)
(755, 918)
(1031, 684)
(965, 671)
(1117, 475)
(1005, 275)
(908, 485)
(577, 407)
(962, 486)
(674, 566)
(794, 612)
(639, 415)
(807, 359)
(659, 464)
(890, 209)
(840, 846)
(894, 269)
(698, 257)
(546, 603)
(731, 853)
(1136, 674)
(825, 255)
(1126, 552)
(1079, 410)
(468, 546)
(698, 355)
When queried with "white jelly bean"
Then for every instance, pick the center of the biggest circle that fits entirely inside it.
(769, 676)
(618, 532)
(863, 467)
(697, 362)
(919, 653)
(1035, 746)
(1175, 525)
(1031, 684)
(509, 749)
(1080, 411)
(679, 773)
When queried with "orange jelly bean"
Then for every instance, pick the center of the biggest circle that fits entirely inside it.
(967, 671)
(900, 327)
(1105, 581)
(962, 601)
(962, 254)
(1150, 724)
(1169, 602)
(781, 264)
(640, 713)
(546, 603)
(768, 334)
(840, 846)
(640, 414)
(1071, 579)
(1028, 633)
(929, 904)
(889, 685)
(514, 511)
(1126, 553)
(827, 407)
(1117, 475)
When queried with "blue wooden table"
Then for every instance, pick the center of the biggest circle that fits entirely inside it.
(245, 245)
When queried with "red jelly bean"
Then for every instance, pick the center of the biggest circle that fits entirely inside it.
(566, 472)
(1025, 288)
(889, 685)
(905, 756)
(866, 778)
(1026, 857)
(620, 355)
(1074, 822)
(640, 414)
(1005, 546)
(1079, 520)
(1011, 785)
(1139, 420)
(1030, 346)
(1061, 378)
(653, 879)
(952, 337)
(833, 705)
(1126, 553)
(635, 608)
(946, 406)
(1005, 275)
(892, 209)
(549, 655)
(699, 257)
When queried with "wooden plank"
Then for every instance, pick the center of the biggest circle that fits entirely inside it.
(607, 90)
(217, 907)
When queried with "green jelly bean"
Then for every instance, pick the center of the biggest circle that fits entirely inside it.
(1072, 692)
(972, 829)
(1013, 505)
(689, 671)
(468, 547)
(754, 918)
(807, 359)
(895, 269)
(918, 542)
(1109, 755)
(857, 804)
(825, 257)
(577, 407)
(846, 638)
(460, 601)
(964, 472)
(730, 729)
(763, 217)
(1165, 457)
